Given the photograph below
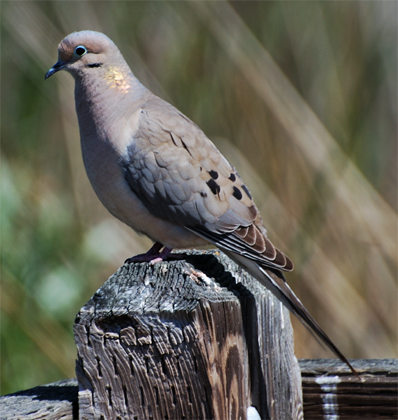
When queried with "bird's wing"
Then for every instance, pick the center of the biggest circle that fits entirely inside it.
(182, 177)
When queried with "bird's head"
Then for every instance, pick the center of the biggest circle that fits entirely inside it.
(82, 52)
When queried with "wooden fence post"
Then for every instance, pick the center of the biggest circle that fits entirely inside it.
(195, 338)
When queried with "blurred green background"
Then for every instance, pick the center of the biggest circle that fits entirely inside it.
(301, 97)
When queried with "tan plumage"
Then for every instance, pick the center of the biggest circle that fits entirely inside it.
(156, 171)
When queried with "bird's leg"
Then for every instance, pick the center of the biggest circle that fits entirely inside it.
(153, 255)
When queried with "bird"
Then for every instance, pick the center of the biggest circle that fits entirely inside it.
(156, 171)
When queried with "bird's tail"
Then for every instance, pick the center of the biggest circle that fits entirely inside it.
(275, 281)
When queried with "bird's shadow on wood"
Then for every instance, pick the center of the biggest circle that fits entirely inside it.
(213, 268)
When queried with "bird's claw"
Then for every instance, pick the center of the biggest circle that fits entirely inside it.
(153, 256)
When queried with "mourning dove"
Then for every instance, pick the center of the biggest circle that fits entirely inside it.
(156, 171)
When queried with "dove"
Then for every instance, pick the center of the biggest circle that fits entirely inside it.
(157, 172)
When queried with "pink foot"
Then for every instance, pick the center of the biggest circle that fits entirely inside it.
(152, 256)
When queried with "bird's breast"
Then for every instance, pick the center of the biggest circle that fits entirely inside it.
(102, 163)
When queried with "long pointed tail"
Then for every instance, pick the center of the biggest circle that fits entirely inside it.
(276, 283)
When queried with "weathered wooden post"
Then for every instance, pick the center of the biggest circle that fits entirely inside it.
(195, 338)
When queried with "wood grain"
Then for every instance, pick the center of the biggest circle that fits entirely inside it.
(376, 397)
(329, 389)
(56, 401)
(195, 338)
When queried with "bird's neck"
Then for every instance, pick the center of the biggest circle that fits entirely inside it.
(101, 101)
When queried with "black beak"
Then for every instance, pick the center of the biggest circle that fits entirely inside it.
(56, 67)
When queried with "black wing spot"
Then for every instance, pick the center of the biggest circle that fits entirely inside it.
(215, 188)
(236, 193)
(203, 194)
(232, 177)
(244, 188)
(213, 174)
(94, 65)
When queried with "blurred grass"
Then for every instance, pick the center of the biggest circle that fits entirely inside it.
(301, 96)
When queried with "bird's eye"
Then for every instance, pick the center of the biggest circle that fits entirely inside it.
(80, 50)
